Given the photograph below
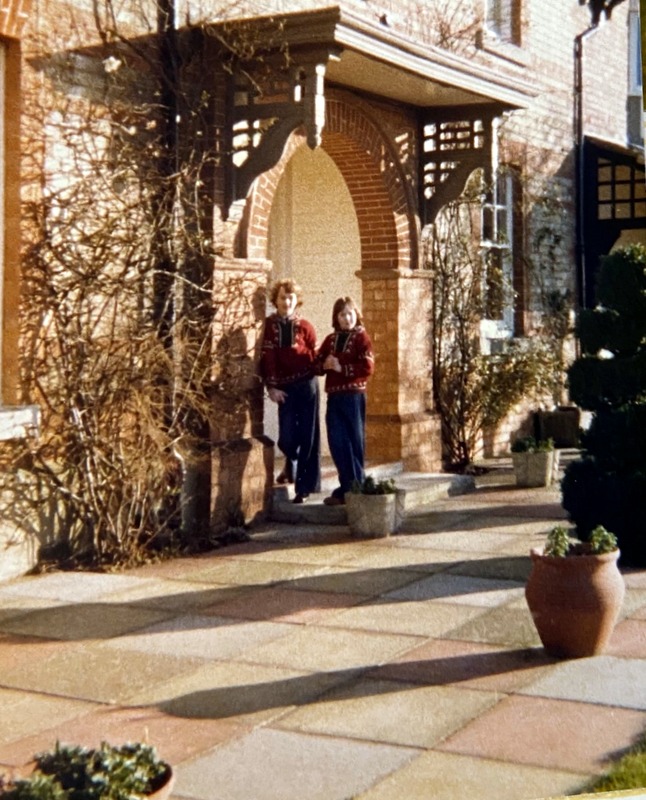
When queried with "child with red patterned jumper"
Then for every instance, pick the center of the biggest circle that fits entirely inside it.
(347, 361)
(287, 369)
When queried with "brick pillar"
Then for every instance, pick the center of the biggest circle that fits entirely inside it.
(400, 424)
(241, 456)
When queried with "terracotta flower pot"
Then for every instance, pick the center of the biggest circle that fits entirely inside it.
(162, 792)
(575, 601)
(165, 790)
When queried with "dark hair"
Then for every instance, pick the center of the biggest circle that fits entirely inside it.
(339, 304)
(290, 286)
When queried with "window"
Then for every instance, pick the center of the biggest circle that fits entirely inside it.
(502, 274)
(503, 20)
(635, 75)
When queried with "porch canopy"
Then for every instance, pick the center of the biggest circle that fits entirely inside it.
(457, 98)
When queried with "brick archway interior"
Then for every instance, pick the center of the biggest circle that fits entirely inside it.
(372, 173)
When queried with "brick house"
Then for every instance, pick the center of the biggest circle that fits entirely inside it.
(331, 167)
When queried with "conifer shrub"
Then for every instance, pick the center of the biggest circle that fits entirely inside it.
(607, 485)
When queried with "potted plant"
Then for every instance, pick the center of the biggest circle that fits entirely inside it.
(371, 507)
(535, 461)
(575, 591)
(69, 772)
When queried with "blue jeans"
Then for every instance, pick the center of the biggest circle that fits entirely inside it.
(346, 434)
(299, 434)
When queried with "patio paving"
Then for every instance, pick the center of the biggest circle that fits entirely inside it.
(307, 664)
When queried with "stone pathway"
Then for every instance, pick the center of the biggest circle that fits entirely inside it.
(305, 665)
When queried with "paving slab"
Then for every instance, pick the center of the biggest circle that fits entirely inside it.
(446, 776)
(472, 665)
(282, 603)
(367, 582)
(460, 589)
(603, 680)
(401, 616)
(82, 621)
(504, 626)
(555, 734)
(93, 672)
(249, 694)
(390, 712)
(204, 637)
(176, 739)
(318, 648)
(306, 663)
(287, 765)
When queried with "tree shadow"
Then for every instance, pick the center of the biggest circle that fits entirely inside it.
(211, 608)
(347, 684)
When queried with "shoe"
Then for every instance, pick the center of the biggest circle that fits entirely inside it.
(283, 477)
(300, 498)
(334, 501)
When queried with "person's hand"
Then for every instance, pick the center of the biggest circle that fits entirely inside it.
(276, 395)
(332, 362)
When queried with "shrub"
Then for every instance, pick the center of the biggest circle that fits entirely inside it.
(607, 486)
(126, 772)
(370, 486)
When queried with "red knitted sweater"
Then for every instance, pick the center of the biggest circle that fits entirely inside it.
(288, 350)
(354, 351)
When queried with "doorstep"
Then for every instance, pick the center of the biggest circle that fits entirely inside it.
(414, 489)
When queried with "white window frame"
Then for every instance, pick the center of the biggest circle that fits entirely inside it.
(499, 19)
(500, 213)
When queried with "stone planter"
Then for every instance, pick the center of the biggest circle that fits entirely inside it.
(535, 469)
(371, 515)
(575, 601)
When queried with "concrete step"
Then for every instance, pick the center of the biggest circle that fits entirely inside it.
(414, 489)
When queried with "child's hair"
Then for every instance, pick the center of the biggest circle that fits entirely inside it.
(290, 286)
(338, 307)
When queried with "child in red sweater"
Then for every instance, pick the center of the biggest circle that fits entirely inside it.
(347, 361)
(287, 369)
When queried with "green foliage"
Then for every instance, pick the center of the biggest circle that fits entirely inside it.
(126, 772)
(528, 444)
(607, 485)
(38, 787)
(602, 541)
(558, 542)
(628, 773)
(370, 486)
(472, 390)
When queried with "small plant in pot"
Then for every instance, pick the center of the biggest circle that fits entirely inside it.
(535, 461)
(575, 592)
(69, 772)
(371, 507)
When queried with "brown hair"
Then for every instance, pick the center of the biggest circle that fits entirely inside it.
(338, 307)
(290, 286)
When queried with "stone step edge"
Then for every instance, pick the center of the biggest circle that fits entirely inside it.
(414, 489)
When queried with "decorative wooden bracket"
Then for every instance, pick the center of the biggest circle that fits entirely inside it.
(455, 141)
(263, 113)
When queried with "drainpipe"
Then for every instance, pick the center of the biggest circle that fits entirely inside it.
(579, 166)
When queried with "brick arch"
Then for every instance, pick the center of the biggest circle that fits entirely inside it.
(371, 169)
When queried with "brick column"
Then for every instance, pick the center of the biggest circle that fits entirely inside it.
(241, 456)
(400, 424)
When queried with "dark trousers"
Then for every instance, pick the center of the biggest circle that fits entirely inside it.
(299, 434)
(346, 434)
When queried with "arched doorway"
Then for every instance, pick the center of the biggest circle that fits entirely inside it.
(313, 237)
(395, 293)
